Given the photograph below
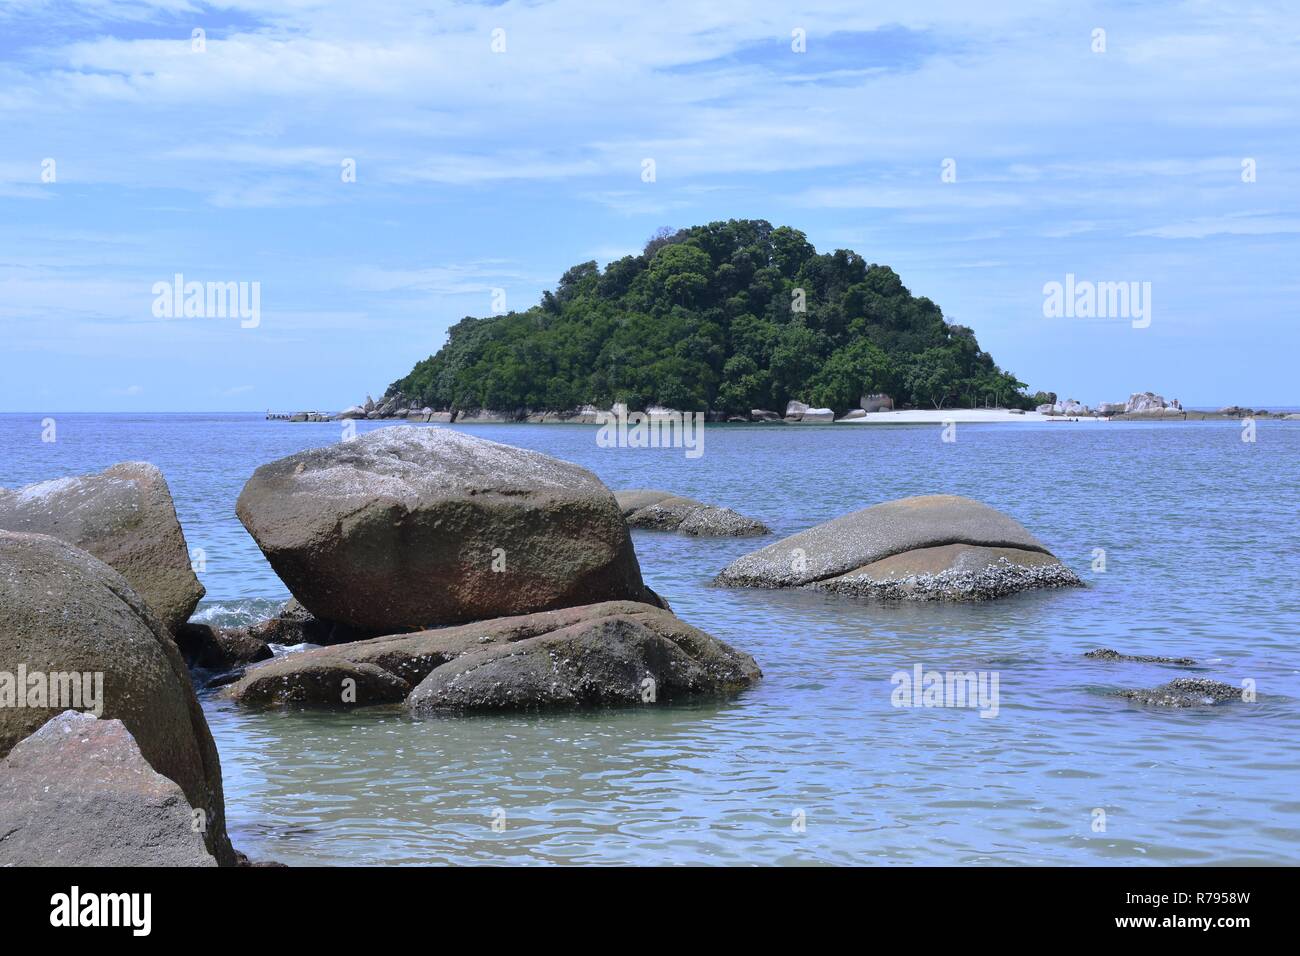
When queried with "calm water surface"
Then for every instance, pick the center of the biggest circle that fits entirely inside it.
(1200, 533)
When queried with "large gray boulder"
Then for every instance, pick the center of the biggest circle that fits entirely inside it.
(928, 547)
(594, 652)
(78, 792)
(653, 510)
(411, 527)
(65, 612)
(125, 517)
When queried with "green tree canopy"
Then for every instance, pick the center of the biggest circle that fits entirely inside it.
(727, 317)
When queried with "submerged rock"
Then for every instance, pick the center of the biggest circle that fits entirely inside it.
(1185, 692)
(125, 517)
(924, 548)
(663, 511)
(410, 527)
(503, 663)
(64, 612)
(78, 792)
(1106, 654)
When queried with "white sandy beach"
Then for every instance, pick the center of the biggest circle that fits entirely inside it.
(964, 415)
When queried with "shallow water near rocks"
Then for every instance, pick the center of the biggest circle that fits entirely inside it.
(1202, 544)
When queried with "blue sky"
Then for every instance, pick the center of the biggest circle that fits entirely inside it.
(479, 170)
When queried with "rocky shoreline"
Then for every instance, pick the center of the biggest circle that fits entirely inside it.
(1140, 406)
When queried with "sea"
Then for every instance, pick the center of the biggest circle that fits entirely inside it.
(1186, 535)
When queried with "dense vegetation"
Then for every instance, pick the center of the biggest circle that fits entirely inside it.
(711, 318)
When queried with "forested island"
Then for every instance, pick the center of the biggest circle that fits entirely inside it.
(726, 317)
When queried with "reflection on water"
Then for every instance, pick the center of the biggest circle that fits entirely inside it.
(1200, 538)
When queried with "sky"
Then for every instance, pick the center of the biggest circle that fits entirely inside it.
(983, 150)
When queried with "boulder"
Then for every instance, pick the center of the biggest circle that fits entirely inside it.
(1111, 408)
(853, 415)
(714, 522)
(1140, 402)
(63, 611)
(220, 648)
(818, 415)
(632, 500)
(876, 402)
(924, 548)
(651, 510)
(1185, 692)
(600, 653)
(410, 527)
(125, 517)
(1046, 409)
(78, 792)
(1107, 654)
(356, 411)
(763, 415)
(610, 660)
(794, 411)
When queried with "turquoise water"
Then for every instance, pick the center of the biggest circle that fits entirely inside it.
(1200, 533)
